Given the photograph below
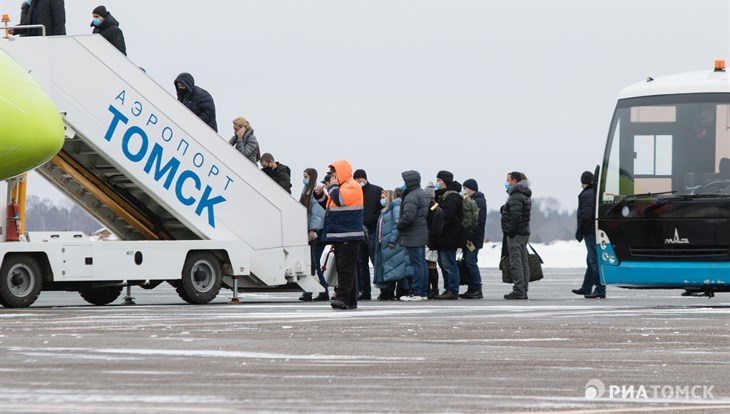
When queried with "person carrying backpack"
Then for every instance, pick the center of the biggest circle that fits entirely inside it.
(452, 235)
(474, 237)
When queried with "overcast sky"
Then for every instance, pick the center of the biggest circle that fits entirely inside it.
(475, 87)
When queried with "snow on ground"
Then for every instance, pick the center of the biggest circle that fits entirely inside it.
(560, 254)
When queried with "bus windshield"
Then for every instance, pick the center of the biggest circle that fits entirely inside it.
(671, 144)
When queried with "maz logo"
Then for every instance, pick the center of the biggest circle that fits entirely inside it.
(676, 239)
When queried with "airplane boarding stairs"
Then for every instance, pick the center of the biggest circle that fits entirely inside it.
(147, 168)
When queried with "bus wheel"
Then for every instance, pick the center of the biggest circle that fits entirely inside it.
(101, 296)
(20, 281)
(201, 278)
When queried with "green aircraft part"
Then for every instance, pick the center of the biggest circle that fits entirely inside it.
(31, 128)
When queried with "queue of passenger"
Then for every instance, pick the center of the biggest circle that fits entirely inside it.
(406, 234)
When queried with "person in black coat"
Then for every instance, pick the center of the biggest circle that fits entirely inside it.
(106, 25)
(277, 171)
(49, 13)
(197, 99)
(586, 231)
(371, 194)
(448, 195)
(474, 241)
(516, 227)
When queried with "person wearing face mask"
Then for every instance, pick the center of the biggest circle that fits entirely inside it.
(108, 27)
(391, 264)
(371, 211)
(516, 229)
(244, 140)
(197, 99)
(49, 13)
(452, 236)
(413, 228)
(277, 171)
(315, 222)
(474, 241)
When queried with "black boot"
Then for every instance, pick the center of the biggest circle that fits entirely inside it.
(306, 297)
(324, 296)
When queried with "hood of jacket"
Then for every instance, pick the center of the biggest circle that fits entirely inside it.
(187, 80)
(454, 186)
(343, 170)
(412, 179)
(521, 187)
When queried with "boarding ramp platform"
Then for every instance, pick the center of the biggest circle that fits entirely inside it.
(147, 168)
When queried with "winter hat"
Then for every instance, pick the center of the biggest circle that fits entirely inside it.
(100, 11)
(471, 184)
(326, 179)
(447, 176)
(586, 177)
(360, 174)
(430, 189)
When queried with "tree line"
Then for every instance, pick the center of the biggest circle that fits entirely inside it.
(548, 222)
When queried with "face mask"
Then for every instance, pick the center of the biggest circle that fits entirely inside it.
(463, 193)
(96, 22)
(437, 186)
(305, 181)
(362, 184)
(382, 202)
(506, 185)
(403, 187)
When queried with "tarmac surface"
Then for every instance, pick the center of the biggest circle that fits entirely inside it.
(637, 351)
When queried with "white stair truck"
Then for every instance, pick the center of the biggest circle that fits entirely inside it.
(186, 207)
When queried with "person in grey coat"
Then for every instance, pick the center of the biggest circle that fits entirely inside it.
(49, 13)
(413, 228)
(516, 226)
(244, 140)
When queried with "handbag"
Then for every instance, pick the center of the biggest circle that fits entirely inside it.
(329, 267)
(534, 262)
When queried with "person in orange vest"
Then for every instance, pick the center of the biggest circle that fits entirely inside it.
(343, 228)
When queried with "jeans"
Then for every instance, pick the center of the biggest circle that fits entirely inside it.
(591, 277)
(417, 256)
(447, 261)
(519, 267)
(475, 277)
(346, 262)
(366, 256)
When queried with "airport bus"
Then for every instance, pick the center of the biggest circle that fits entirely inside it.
(663, 202)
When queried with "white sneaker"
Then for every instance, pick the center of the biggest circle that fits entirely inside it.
(412, 298)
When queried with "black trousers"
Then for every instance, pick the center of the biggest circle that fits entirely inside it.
(346, 262)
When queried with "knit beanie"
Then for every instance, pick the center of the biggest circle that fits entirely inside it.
(586, 177)
(100, 11)
(360, 174)
(471, 184)
(446, 176)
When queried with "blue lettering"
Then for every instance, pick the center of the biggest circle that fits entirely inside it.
(186, 146)
(208, 203)
(163, 134)
(195, 159)
(170, 168)
(138, 107)
(213, 170)
(184, 176)
(152, 120)
(121, 96)
(118, 116)
(230, 180)
(143, 147)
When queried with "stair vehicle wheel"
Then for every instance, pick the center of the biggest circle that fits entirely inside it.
(101, 296)
(20, 281)
(201, 278)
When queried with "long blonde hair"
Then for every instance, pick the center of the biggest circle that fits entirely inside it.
(389, 197)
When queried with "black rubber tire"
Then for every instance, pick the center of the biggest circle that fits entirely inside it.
(101, 296)
(201, 278)
(20, 281)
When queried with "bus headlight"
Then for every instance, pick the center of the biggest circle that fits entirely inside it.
(607, 256)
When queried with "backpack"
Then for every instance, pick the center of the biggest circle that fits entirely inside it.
(470, 211)
(436, 218)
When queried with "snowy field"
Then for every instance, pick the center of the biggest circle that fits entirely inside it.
(559, 254)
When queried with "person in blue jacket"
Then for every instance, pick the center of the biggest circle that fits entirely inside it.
(391, 264)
